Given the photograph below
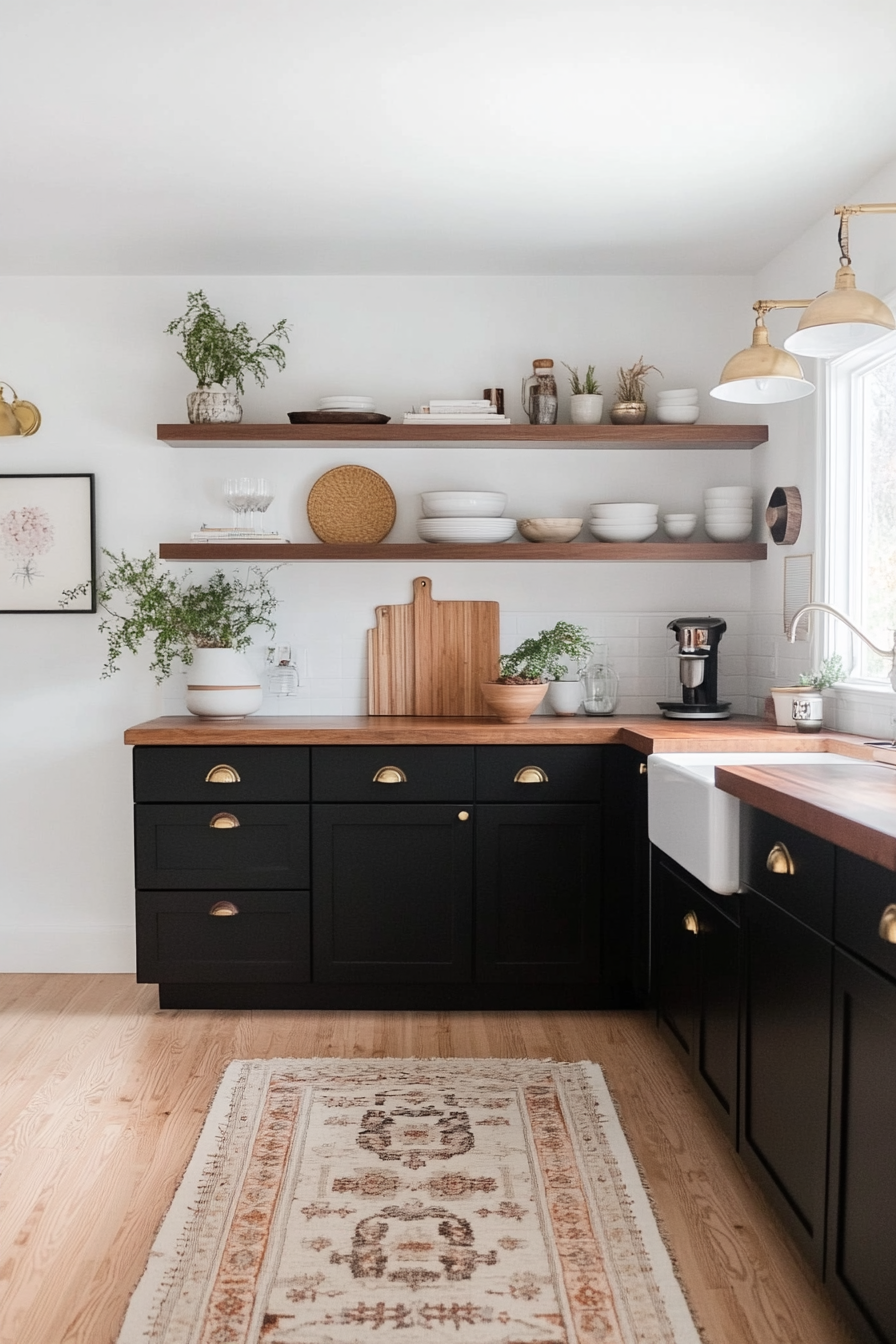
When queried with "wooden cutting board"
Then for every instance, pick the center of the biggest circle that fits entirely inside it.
(428, 658)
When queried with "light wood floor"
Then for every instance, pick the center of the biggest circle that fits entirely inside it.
(103, 1096)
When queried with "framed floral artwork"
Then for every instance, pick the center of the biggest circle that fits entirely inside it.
(47, 542)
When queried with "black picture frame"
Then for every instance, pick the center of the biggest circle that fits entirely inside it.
(47, 542)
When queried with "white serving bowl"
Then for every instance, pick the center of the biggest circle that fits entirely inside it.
(677, 394)
(728, 515)
(729, 531)
(549, 529)
(679, 528)
(618, 513)
(679, 517)
(463, 503)
(673, 414)
(466, 529)
(728, 492)
(630, 531)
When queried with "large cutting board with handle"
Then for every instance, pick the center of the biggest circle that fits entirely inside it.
(428, 657)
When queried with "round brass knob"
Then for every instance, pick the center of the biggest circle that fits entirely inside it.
(224, 908)
(390, 774)
(887, 926)
(222, 774)
(779, 860)
(463, 816)
(223, 821)
(531, 774)
(691, 923)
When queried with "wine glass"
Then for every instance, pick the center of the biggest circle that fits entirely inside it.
(236, 494)
(263, 497)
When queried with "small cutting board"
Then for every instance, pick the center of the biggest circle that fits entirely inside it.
(428, 658)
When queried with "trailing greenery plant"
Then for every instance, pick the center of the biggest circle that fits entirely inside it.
(587, 386)
(630, 382)
(216, 353)
(831, 671)
(178, 616)
(538, 659)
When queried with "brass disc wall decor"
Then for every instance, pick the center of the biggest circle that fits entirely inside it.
(351, 504)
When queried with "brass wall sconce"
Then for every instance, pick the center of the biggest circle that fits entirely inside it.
(762, 373)
(18, 417)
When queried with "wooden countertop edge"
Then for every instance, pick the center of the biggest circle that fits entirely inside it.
(841, 824)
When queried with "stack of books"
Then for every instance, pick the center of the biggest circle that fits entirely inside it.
(234, 534)
(466, 411)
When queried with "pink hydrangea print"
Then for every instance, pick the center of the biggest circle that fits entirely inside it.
(24, 534)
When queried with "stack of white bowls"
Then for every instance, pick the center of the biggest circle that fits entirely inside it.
(677, 407)
(346, 403)
(464, 516)
(728, 512)
(623, 522)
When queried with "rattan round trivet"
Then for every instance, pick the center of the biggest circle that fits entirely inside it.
(351, 504)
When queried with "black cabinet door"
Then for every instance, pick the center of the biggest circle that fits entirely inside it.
(862, 1216)
(198, 846)
(696, 959)
(537, 893)
(392, 892)
(785, 1054)
(223, 937)
(625, 881)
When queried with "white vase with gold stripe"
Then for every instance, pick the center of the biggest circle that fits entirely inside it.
(222, 685)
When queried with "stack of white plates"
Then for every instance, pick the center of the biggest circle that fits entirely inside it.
(677, 407)
(728, 512)
(464, 516)
(623, 522)
(346, 404)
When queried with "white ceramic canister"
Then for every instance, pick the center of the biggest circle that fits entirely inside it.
(222, 685)
(213, 405)
(586, 408)
(564, 697)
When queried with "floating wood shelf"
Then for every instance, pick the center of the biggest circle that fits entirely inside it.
(658, 551)
(497, 436)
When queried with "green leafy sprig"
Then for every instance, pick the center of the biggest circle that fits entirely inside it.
(539, 658)
(587, 386)
(216, 353)
(831, 671)
(178, 616)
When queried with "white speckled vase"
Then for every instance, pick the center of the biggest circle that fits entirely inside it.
(222, 685)
(564, 697)
(586, 408)
(213, 405)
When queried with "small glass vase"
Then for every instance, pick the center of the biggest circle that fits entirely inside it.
(600, 684)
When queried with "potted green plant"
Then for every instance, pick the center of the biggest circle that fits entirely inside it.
(523, 675)
(808, 692)
(217, 354)
(630, 407)
(586, 403)
(205, 625)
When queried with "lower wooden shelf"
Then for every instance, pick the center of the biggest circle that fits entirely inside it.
(658, 552)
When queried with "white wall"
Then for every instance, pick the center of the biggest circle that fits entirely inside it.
(92, 354)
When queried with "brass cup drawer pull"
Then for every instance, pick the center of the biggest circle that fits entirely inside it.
(531, 774)
(779, 860)
(222, 774)
(642, 768)
(390, 774)
(224, 908)
(887, 926)
(223, 821)
(691, 923)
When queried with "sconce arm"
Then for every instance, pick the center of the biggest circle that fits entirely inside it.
(832, 611)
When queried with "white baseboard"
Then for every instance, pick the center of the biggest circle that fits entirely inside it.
(102, 950)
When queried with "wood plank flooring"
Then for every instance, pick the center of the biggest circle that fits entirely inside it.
(103, 1096)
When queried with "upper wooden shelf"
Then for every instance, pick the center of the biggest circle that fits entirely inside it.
(527, 436)
(662, 551)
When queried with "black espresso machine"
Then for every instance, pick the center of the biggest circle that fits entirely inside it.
(698, 669)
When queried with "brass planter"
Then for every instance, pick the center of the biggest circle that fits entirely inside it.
(628, 413)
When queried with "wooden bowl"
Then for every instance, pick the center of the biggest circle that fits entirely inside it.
(513, 704)
(550, 529)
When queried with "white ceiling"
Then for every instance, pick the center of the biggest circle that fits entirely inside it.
(449, 137)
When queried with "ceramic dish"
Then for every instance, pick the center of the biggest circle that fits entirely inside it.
(550, 529)
(346, 403)
(463, 503)
(672, 413)
(677, 394)
(679, 529)
(732, 515)
(618, 513)
(728, 492)
(631, 531)
(729, 531)
(466, 529)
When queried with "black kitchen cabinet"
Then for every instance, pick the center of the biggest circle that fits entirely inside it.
(199, 846)
(223, 937)
(625, 877)
(392, 892)
(696, 950)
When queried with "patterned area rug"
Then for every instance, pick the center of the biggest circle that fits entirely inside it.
(479, 1201)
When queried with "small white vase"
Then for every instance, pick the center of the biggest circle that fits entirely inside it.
(586, 408)
(213, 405)
(222, 685)
(564, 697)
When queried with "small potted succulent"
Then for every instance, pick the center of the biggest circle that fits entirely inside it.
(630, 407)
(807, 693)
(204, 625)
(586, 403)
(217, 354)
(536, 665)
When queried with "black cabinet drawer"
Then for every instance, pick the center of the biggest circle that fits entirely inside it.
(392, 774)
(865, 891)
(267, 939)
(534, 774)
(807, 892)
(221, 775)
(197, 846)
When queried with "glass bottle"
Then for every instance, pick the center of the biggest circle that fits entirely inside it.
(600, 684)
(540, 393)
